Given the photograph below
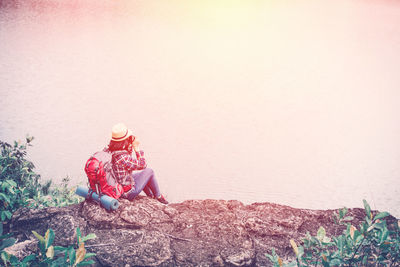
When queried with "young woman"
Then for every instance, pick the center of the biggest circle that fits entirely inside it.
(122, 144)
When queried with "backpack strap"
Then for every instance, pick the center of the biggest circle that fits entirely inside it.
(90, 194)
(98, 188)
(87, 162)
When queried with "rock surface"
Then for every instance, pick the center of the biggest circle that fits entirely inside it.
(145, 232)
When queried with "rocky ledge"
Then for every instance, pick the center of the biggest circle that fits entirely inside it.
(192, 233)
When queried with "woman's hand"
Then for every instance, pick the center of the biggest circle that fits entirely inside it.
(135, 145)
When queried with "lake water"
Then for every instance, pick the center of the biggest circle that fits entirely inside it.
(292, 102)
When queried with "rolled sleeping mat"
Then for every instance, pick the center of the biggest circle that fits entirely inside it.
(107, 202)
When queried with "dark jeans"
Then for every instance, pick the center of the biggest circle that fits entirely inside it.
(144, 181)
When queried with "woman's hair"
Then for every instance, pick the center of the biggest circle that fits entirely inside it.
(121, 145)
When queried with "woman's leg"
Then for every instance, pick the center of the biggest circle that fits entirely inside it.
(148, 191)
(145, 178)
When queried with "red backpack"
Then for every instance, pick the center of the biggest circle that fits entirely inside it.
(98, 169)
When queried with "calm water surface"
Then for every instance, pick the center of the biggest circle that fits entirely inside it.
(293, 102)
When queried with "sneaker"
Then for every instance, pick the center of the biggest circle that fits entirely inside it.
(162, 199)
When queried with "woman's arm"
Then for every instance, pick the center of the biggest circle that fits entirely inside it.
(131, 164)
(141, 160)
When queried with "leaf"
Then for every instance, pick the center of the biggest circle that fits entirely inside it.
(321, 233)
(340, 244)
(348, 218)
(367, 209)
(381, 215)
(370, 227)
(38, 236)
(270, 257)
(358, 238)
(334, 262)
(301, 252)
(7, 243)
(78, 235)
(12, 183)
(380, 225)
(88, 237)
(14, 260)
(46, 237)
(8, 214)
(368, 220)
(352, 229)
(84, 263)
(80, 254)
(364, 260)
(60, 248)
(71, 255)
(326, 240)
(294, 246)
(335, 218)
(325, 263)
(5, 257)
(50, 238)
(11, 190)
(42, 242)
(89, 254)
(384, 236)
(5, 236)
(50, 252)
(5, 197)
(59, 262)
(29, 258)
(280, 262)
(341, 213)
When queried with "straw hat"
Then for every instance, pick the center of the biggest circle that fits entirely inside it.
(120, 132)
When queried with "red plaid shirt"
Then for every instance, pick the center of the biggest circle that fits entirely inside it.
(123, 164)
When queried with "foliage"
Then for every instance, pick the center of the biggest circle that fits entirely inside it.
(49, 255)
(5, 242)
(18, 181)
(58, 196)
(15, 166)
(371, 242)
(20, 185)
(277, 261)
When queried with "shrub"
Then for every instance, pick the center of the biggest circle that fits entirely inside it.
(18, 181)
(49, 255)
(20, 185)
(59, 196)
(5, 242)
(372, 242)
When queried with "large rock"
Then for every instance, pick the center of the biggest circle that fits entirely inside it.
(192, 233)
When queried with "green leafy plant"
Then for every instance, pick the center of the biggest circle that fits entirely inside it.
(277, 261)
(14, 166)
(6, 241)
(64, 195)
(54, 256)
(20, 185)
(11, 197)
(17, 179)
(59, 196)
(372, 242)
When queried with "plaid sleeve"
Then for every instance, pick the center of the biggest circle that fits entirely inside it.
(141, 161)
(131, 164)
